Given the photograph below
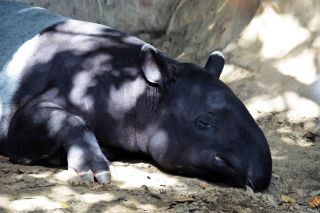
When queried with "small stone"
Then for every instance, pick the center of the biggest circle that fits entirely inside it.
(28, 179)
(144, 187)
(314, 193)
(20, 171)
(18, 177)
(310, 136)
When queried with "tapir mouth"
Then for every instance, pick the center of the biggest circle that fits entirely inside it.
(240, 174)
(221, 171)
(228, 172)
(231, 172)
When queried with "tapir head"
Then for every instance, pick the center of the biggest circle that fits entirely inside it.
(201, 128)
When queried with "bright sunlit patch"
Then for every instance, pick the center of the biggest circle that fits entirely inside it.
(301, 67)
(10, 76)
(134, 178)
(62, 191)
(89, 28)
(4, 201)
(233, 73)
(75, 155)
(296, 105)
(78, 95)
(124, 98)
(314, 24)
(33, 203)
(41, 175)
(279, 158)
(94, 198)
(65, 175)
(300, 106)
(21, 58)
(181, 55)
(278, 33)
(265, 103)
(296, 141)
(132, 40)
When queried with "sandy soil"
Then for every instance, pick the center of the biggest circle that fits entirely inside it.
(273, 75)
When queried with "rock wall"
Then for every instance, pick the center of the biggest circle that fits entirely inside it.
(177, 26)
(272, 47)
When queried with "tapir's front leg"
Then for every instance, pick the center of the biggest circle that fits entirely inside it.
(40, 131)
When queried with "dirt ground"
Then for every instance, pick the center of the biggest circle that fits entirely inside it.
(141, 187)
(273, 68)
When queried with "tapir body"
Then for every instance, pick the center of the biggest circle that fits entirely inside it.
(80, 91)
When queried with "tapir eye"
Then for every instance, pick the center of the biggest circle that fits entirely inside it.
(204, 122)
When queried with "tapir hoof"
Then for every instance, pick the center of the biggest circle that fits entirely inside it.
(89, 166)
(103, 177)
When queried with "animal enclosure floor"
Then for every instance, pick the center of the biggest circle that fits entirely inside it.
(141, 187)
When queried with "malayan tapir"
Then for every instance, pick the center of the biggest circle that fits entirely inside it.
(73, 92)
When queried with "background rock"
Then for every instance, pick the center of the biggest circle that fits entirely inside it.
(131, 16)
(176, 26)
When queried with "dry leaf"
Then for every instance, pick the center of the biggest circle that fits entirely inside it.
(315, 202)
(184, 198)
(65, 205)
(288, 199)
(201, 184)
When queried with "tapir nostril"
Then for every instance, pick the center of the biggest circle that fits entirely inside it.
(258, 180)
(223, 164)
(250, 184)
(218, 161)
(230, 169)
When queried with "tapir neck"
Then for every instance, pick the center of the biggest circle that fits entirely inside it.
(130, 110)
(147, 116)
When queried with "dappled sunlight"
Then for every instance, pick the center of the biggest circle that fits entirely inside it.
(63, 191)
(125, 97)
(66, 175)
(131, 177)
(232, 73)
(279, 157)
(265, 103)
(280, 51)
(21, 58)
(34, 203)
(278, 33)
(91, 198)
(82, 81)
(41, 175)
(300, 106)
(296, 141)
(5, 200)
(293, 103)
(302, 67)
(290, 137)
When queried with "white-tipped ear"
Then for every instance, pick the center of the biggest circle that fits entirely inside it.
(215, 63)
(151, 64)
(147, 47)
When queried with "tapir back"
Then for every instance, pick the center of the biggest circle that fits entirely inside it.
(19, 23)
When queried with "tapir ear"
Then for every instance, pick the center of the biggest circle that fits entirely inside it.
(215, 63)
(153, 66)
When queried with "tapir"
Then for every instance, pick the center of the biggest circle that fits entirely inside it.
(74, 92)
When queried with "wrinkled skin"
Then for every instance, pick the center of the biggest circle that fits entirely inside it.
(88, 90)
